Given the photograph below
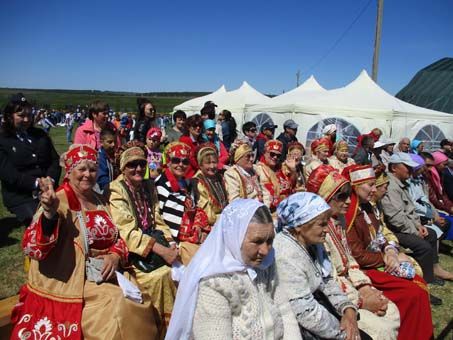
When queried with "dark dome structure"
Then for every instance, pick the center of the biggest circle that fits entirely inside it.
(432, 87)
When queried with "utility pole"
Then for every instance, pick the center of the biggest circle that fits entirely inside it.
(297, 78)
(377, 39)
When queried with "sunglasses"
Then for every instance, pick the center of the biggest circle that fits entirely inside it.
(342, 196)
(177, 160)
(134, 164)
(274, 155)
(252, 130)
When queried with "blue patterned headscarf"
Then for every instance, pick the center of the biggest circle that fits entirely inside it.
(299, 209)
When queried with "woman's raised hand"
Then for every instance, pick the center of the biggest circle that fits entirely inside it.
(48, 198)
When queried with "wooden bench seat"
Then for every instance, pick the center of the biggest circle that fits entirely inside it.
(6, 306)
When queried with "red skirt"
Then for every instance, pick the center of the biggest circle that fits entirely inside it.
(36, 317)
(412, 299)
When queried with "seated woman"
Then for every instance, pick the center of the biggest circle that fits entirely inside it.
(241, 179)
(340, 159)
(305, 273)
(378, 317)
(71, 229)
(228, 289)
(319, 155)
(175, 197)
(211, 137)
(209, 192)
(389, 270)
(135, 209)
(291, 176)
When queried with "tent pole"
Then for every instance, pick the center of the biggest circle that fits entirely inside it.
(377, 40)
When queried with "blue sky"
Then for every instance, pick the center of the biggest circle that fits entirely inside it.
(200, 45)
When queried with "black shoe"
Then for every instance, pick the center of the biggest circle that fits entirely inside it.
(435, 301)
(437, 281)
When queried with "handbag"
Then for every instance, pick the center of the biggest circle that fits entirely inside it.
(152, 261)
(93, 265)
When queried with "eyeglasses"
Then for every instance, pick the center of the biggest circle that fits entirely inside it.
(134, 164)
(274, 155)
(177, 160)
(252, 130)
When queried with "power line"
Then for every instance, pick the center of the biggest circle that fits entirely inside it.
(346, 31)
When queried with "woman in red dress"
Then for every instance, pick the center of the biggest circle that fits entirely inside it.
(65, 297)
(389, 270)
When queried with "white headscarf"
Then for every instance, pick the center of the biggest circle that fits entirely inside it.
(219, 254)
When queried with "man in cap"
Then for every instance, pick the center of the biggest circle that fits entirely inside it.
(401, 217)
(288, 136)
(330, 132)
(267, 133)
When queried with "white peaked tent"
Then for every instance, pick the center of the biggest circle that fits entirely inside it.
(194, 105)
(236, 101)
(362, 105)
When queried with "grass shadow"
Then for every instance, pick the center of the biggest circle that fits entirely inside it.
(445, 249)
(448, 330)
(8, 224)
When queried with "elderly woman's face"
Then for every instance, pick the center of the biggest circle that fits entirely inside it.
(322, 154)
(209, 165)
(314, 232)
(272, 158)
(366, 191)
(340, 202)
(257, 243)
(295, 154)
(342, 155)
(134, 171)
(178, 166)
(83, 176)
(246, 161)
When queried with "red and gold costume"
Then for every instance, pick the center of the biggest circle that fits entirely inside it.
(57, 302)
(326, 182)
(411, 296)
(241, 183)
(321, 144)
(268, 178)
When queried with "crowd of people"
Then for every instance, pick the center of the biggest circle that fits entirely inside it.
(201, 231)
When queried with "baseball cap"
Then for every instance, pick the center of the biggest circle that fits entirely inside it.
(402, 157)
(268, 126)
(290, 124)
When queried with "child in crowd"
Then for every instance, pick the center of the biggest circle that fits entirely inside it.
(153, 140)
(107, 171)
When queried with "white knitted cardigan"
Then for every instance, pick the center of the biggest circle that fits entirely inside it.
(233, 306)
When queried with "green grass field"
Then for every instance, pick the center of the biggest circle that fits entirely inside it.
(12, 275)
(117, 101)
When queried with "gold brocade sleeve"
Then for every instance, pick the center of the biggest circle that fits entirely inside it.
(122, 215)
(204, 202)
(233, 184)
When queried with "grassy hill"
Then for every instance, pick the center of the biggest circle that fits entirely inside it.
(118, 101)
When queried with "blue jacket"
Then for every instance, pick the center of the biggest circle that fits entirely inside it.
(105, 169)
